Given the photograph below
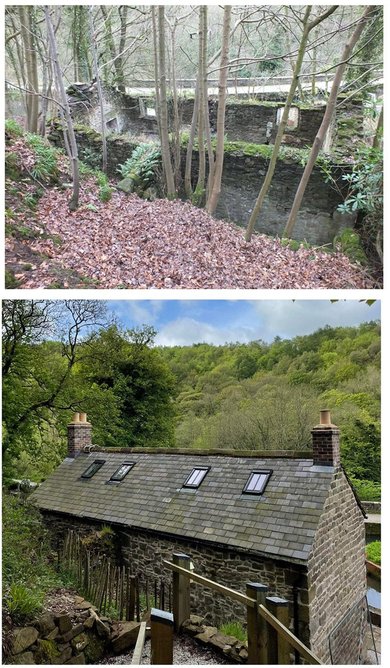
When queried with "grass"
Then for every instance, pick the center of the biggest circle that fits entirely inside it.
(28, 573)
(373, 552)
(234, 629)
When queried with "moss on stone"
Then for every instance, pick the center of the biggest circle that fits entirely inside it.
(46, 652)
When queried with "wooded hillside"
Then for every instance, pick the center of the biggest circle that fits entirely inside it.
(241, 396)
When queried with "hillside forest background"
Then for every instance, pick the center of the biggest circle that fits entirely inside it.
(62, 357)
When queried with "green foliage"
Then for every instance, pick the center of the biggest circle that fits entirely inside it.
(367, 490)
(365, 182)
(10, 281)
(234, 629)
(349, 243)
(105, 193)
(27, 570)
(45, 167)
(143, 167)
(373, 552)
(13, 128)
(89, 160)
(267, 396)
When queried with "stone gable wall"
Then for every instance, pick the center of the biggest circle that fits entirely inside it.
(337, 575)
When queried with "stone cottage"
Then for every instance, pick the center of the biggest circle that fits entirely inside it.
(286, 519)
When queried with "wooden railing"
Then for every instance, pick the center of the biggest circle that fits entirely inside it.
(269, 638)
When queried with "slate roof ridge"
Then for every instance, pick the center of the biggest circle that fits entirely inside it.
(255, 454)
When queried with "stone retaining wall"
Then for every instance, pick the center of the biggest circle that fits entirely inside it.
(318, 220)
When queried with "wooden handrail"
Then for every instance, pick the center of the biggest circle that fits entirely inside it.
(199, 579)
(138, 649)
(246, 600)
(290, 637)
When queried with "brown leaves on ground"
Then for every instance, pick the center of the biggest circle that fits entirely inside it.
(131, 243)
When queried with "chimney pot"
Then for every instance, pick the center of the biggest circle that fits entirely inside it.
(325, 417)
(326, 442)
(79, 435)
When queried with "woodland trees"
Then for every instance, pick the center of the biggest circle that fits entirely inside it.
(61, 357)
(122, 46)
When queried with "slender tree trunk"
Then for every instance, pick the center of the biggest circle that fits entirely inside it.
(176, 118)
(379, 131)
(191, 139)
(330, 107)
(206, 114)
(156, 68)
(28, 37)
(164, 136)
(73, 153)
(118, 63)
(200, 186)
(306, 27)
(99, 89)
(222, 84)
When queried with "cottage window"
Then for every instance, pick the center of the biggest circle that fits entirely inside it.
(196, 476)
(121, 472)
(257, 482)
(93, 468)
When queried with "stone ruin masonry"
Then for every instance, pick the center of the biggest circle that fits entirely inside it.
(318, 220)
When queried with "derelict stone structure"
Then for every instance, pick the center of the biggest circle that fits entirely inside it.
(302, 535)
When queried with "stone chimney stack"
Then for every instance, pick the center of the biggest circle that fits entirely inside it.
(326, 442)
(79, 434)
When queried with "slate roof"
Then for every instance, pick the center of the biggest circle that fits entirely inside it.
(281, 522)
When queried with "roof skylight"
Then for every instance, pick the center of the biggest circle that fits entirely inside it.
(122, 472)
(257, 482)
(196, 476)
(93, 468)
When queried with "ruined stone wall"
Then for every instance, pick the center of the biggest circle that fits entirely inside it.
(318, 220)
(337, 577)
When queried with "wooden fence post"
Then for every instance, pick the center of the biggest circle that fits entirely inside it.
(181, 590)
(161, 637)
(257, 627)
(278, 647)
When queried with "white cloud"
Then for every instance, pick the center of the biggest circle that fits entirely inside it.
(288, 318)
(186, 331)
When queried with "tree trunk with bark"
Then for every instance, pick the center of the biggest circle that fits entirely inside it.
(73, 152)
(163, 108)
(222, 87)
(26, 16)
(306, 29)
(99, 89)
(329, 111)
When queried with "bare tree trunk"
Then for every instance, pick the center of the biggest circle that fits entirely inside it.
(73, 153)
(99, 89)
(222, 84)
(164, 136)
(191, 139)
(307, 27)
(176, 118)
(156, 68)
(200, 186)
(379, 131)
(28, 37)
(330, 107)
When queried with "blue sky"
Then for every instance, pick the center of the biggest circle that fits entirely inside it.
(184, 322)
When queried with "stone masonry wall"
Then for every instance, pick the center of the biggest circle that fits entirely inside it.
(144, 553)
(337, 575)
(318, 220)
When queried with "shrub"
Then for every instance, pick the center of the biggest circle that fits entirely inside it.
(373, 552)
(367, 490)
(143, 167)
(13, 128)
(27, 569)
(45, 167)
(234, 629)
